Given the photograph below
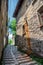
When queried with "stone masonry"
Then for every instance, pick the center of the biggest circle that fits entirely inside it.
(33, 15)
(3, 24)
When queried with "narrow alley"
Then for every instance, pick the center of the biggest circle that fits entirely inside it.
(21, 32)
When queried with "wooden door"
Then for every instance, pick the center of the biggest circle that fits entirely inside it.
(26, 34)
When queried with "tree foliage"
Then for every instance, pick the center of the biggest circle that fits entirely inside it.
(10, 41)
(12, 26)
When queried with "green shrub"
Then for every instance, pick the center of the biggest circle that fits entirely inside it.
(10, 41)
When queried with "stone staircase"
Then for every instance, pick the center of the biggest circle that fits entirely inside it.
(24, 59)
(7, 57)
(14, 57)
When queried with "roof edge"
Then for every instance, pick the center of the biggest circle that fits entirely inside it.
(17, 8)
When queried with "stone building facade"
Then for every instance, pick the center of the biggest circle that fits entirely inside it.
(3, 23)
(30, 27)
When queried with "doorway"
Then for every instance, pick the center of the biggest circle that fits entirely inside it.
(26, 35)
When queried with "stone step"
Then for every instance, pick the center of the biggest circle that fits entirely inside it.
(24, 61)
(19, 54)
(7, 55)
(22, 58)
(8, 62)
(29, 63)
(8, 59)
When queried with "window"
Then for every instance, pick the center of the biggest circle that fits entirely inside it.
(42, 18)
(34, 1)
(40, 15)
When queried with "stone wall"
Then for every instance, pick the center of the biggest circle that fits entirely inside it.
(36, 33)
(23, 8)
(3, 27)
(4, 10)
(0, 34)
